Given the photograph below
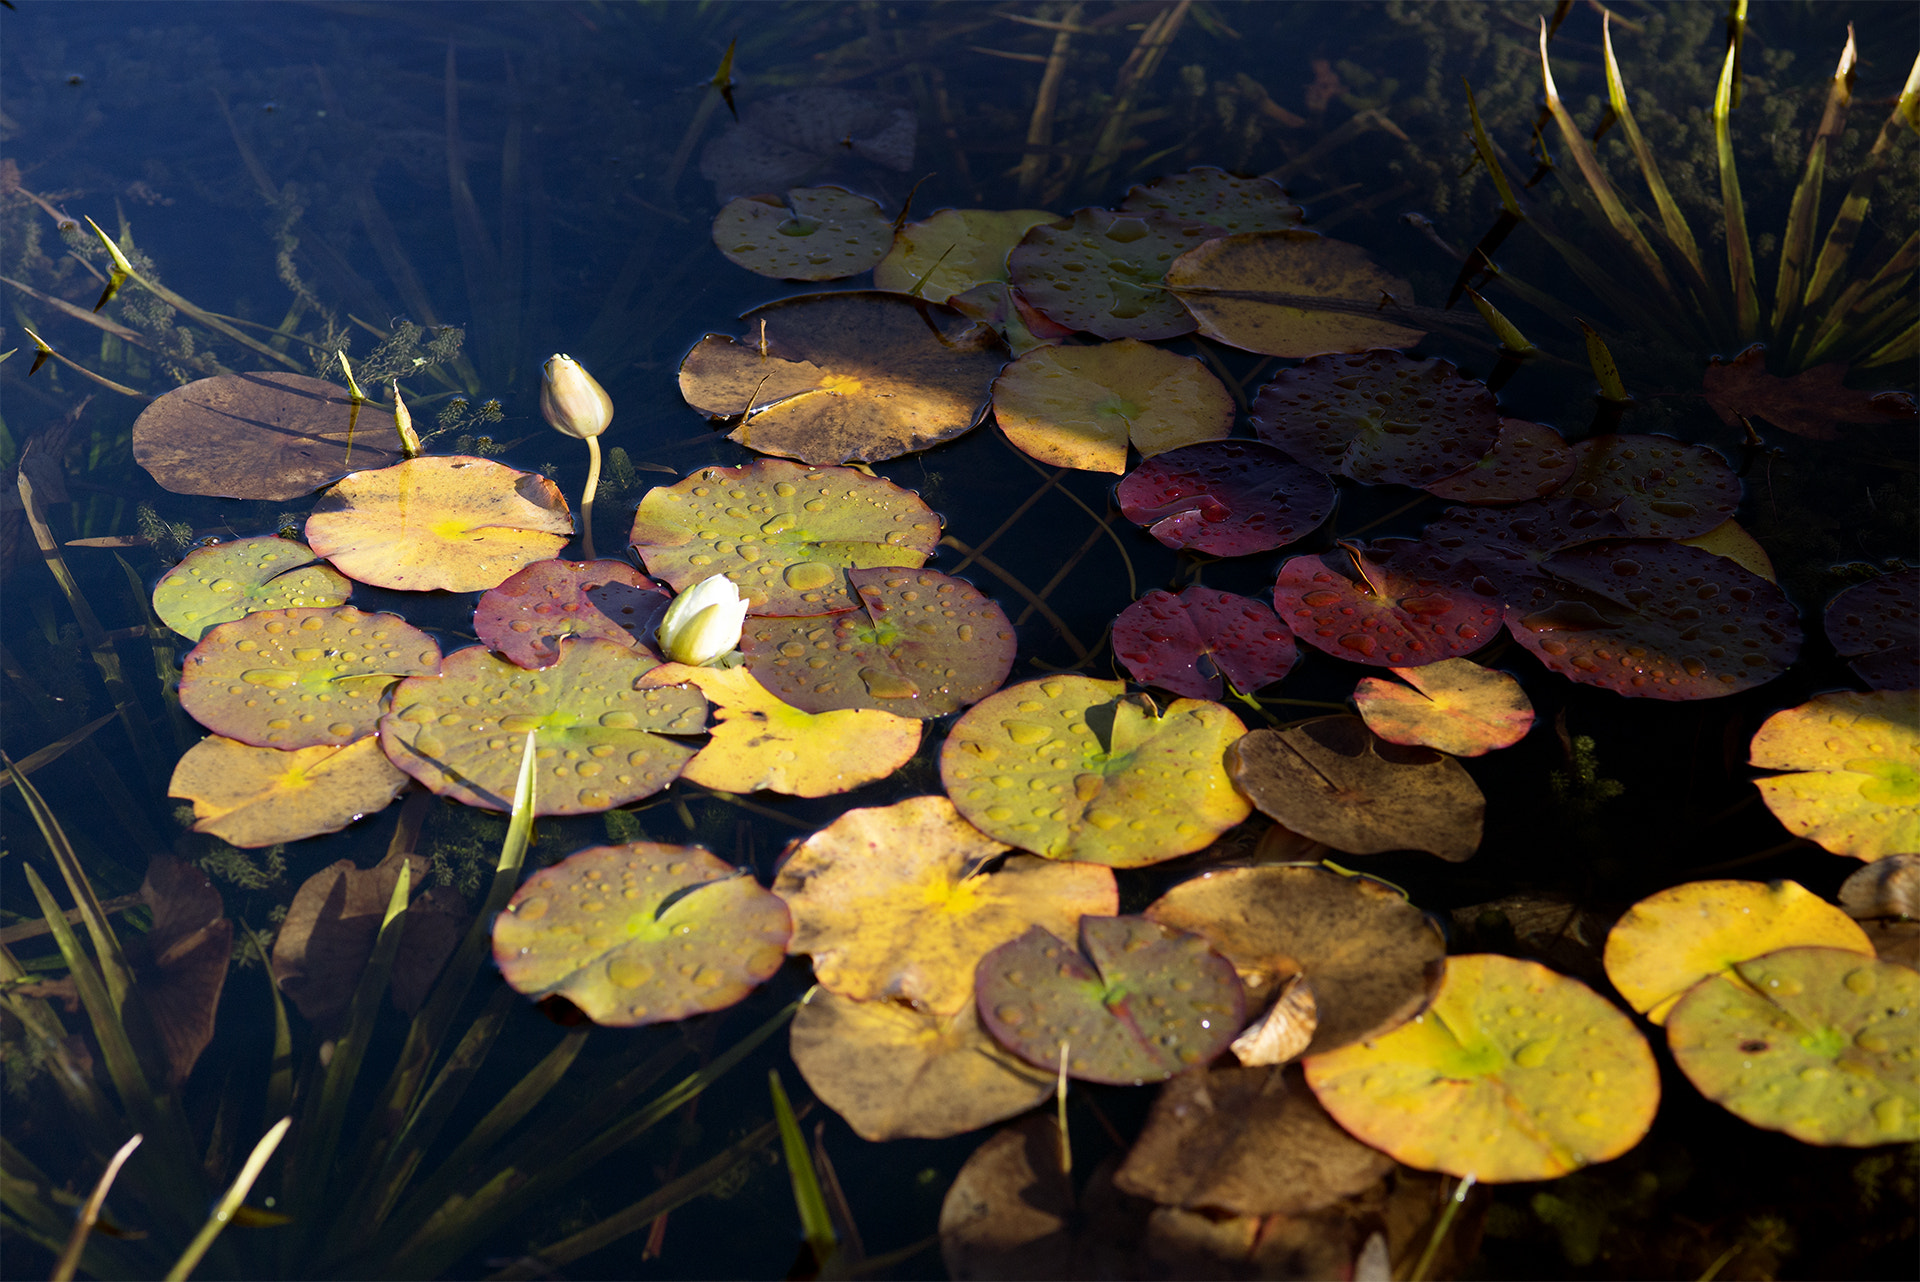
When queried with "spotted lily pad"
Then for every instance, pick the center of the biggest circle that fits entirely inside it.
(1225, 498)
(1527, 461)
(1856, 790)
(301, 678)
(1291, 293)
(454, 523)
(1657, 486)
(1103, 272)
(1379, 417)
(250, 797)
(954, 251)
(227, 581)
(919, 644)
(1820, 1043)
(1398, 615)
(1454, 705)
(1187, 643)
(820, 233)
(1079, 406)
(640, 933)
(1508, 544)
(1136, 1002)
(525, 617)
(600, 739)
(1073, 768)
(785, 534)
(1515, 1073)
(1223, 203)
(1875, 626)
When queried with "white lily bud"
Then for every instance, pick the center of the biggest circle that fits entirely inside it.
(703, 623)
(571, 400)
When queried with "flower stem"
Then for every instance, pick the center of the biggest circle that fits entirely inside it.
(586, 497)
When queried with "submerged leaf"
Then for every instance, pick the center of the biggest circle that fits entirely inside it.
(1379, 417)
(1080, 406)
(251, 797)
(954, 251)
(227, 581)
(820, 233)
(1454, 705)
(188, 948)
(1223, 203)
(1103, 272)
(808, 133)
(1187, 643)
(1225, 498)
(1292, 293)
(1857, 790)
(1813, 403)
(329, 933)
(525, 616)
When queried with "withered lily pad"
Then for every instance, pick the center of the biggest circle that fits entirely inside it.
(462, 733)
(1073, 768)
(1187, 643)
(842, 378)
(1454, 705)
(641, 933)
(1223, 203)
(1292, 293)
(1103, 272)
(1332, 780)
(820, 233)
(785, 534)
(919, 644)
(1658, 487)
(525, 617)
(260, 436)
(1079, 406)
(1818, 1042)
(249, 796)
(1398, 615)
(1876, 626)
(1379, 417)
(454, 523)
(954, 251)
(1856, 789)
(1527, 461)
(1136, 1002)
(1225, 498)
(329, 932)
(228, 581)
(301, 678)
(184, 964)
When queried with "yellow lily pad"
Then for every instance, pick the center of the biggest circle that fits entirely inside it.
(1291, 293)
(1454, 705)
(820, 233)
(251, 797)
(1080, 406)
(1731, 540)
(954, 250)
(227, 581)
(1858, 757)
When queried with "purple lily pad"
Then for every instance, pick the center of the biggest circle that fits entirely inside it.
(525, 617)
(1527, 461)
(1225, 498)
(1402, 613)
(1657, 486)
(1187, 643)
(1876, 627)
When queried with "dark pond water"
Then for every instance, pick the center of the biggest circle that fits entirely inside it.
(268, 157)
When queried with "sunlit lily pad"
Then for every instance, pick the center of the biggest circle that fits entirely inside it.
(1225, 498)
(1670, 941)
(227, 581)
(1073, 768)
(249, 796)
(525, 617)
(1527, 461)
(785, 534)
(1396, 615)
(1080, 406)
(1857, 758)
(953, 251)
(462, 733)
(1660, 488)
(852, 377)
(300, 678)
(1102, 272)
(1020, 326)
(1136, 1002)
(454, 523)
(892, 903)
(1515, 1073)
(1223, 203)
(1876, 626)
(1291, 293)
(918, 644)
(1332, 780)
(1379, 417)
(1818, 1042)
(1731, 540)
(641, 933)
(1187, 643)
(820, 233)
(1454, 705)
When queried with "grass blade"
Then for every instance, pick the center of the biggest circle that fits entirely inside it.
(1746, 302)
(230, 1201)
(816, 1226)
(1670, 216)
(53, 751)
(45, 1031)
(40, 1215)
(1796, 247)
(69, 1261)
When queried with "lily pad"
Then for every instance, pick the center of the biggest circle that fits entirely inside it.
(1657, 486)
(1330, 779)
(1020, 326)
(1187, 643)
(1875, 626)
(301, 678)
(183, 966)
(260, 436)
(1731, 540)
(227, 581)
(1102, 272)
(1136, 1002)
(1073, 768)
(954, 251)
(1857, 757)
(1225, 498)
(820, 233)
(641, 933)
(1398, 614)
(860, 376)
(897, 1073)
(1670, 941)
(329, 931)
(1221, 202)
(251, 797)
(453, 523)
(1508, 544)
(785, 534)
(1515, 1073)
(805, 133)
(1454, 705)
(525, 616)
(1291, 293)
(892, 903)
(1079, 406)
(1527, 461)
(1818, 1042)
(918, 644)
(761, 743)
(462, 733)
(1888, 887)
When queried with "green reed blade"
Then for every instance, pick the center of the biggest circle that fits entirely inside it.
(280, 1066)
(1871, 305)
(166, 668)
(1674, 222)
(1796, 246)
(816, 1225)
(230, 1201)
(1511, 339)
(1904, 346)
(1746, 302)
(1604, 370)
(69, 1262)
(37, 1215)
(48, 1036)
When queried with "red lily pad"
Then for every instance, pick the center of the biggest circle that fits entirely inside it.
(525, 617)
(1657, 486)
(1225, 498)
(1379, 417)
(301, 678)
(1399, 615)
(1527, 461)
(1103, 272)
(1187, 643)
(1136, 1002)
(920, 644)
(1876, 627)
(1527, 532)
(1223, 203)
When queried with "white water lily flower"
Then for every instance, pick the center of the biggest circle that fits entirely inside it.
(703, 623)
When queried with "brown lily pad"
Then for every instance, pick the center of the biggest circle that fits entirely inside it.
(525, 617)
(1291, 293)
(329, 933)
(184, 963)
(1814, 403)
(1658, 487)
(1225, 204)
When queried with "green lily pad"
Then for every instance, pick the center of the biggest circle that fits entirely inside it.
(461, 733)
(1225, 204)
(954, 251)
(1291, 293)
(1104, 272)
(301, 678)
(1080, 406)
(1073, 768)
(252, 797)
(1821, 1043)
(641, 933)
(785, 534)
(920, 644)
(227, 581)
(1136, 1002)
(1514, 1073)
(820, 233)
(525, 617)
